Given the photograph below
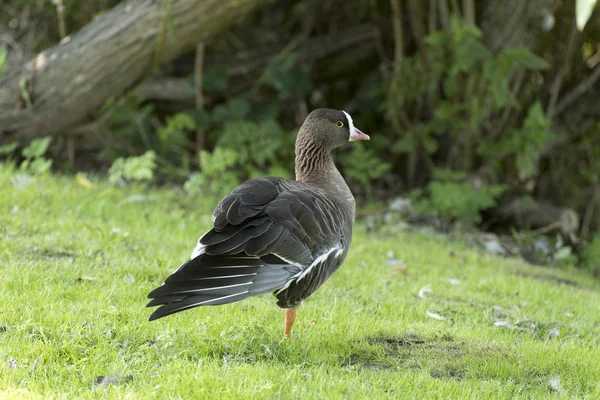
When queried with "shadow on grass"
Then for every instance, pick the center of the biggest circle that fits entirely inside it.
(442, 356)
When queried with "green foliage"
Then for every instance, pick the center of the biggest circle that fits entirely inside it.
(129, 128)
(33, 155)
(216, 177)
(175, 127)
(133, 169)
(465, 84)
(215, 80)
(524, 144)
(520, 56)
(8, 149)
(236, 109)
(37, 148)
(134, 128)
(261, 147)
(565, 254)
(364, 166)
(591, 255)
(34, 162)
(287, 78)
(37, 166)
(454, 199)
(244, 149)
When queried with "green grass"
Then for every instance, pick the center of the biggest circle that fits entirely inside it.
(77, 262)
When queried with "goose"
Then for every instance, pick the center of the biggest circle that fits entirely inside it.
(273, 234)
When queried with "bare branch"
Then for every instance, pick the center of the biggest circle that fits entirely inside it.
(587, 84)
(572, 44)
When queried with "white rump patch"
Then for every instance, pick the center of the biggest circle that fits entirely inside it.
(335, 251)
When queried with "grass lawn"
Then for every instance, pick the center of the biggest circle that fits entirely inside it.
(438, 320)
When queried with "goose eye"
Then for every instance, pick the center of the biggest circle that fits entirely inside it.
(339, 124)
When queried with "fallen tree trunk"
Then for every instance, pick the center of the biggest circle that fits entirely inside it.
(61, 86)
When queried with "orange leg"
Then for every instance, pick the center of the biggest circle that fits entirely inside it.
(290, 317)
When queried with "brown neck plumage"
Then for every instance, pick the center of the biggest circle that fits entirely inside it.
(313, 161)
(315, 167)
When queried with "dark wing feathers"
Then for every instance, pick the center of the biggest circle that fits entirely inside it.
(239, 239)
(250, 197)
(273, 216)
(214, 237)
(212, 280)
(266, 233)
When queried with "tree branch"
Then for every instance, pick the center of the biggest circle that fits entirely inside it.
(587, 84)
(562, 71)
(320, 51)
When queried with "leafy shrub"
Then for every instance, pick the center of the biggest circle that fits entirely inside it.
(363, 166)
(133, 128)
(8, 149)
(135, 169)
(262, 148)
(33, 154)
(216, 177)
(175, 126)
(454, 199)
(524, 144)
(287, 78)
(465, 85)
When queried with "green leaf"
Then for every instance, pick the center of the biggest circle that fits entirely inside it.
(437, 39)
(363, 164)
(8, 148)
(234, 110)
(286, 77)
(133, 168)
(523, 57)
(39, 166)
(37, 148)
(176, 125)
(447, 175)
(194, 184)
(583, 12)
(563, 253)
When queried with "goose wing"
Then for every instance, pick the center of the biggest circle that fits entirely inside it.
(269, 234)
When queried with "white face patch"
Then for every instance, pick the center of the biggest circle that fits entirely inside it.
(351, 127)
